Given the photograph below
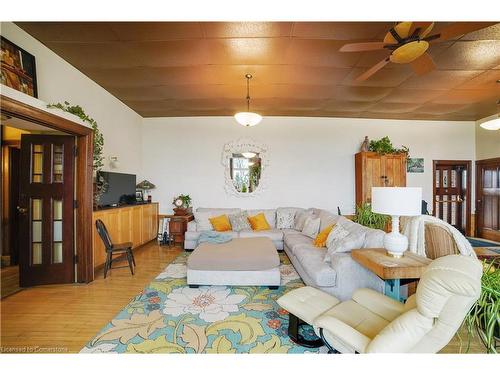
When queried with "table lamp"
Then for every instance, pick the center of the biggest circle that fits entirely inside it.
(396, 202)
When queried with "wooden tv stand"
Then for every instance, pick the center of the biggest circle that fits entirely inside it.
(131, 223)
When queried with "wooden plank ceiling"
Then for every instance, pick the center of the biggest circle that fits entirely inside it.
(197, 69)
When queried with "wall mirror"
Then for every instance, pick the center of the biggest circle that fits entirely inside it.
(245, 162)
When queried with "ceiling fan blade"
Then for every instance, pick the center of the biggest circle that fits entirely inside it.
(374, 69)
(457, 29)
(359, 47)
(423, 28)
(423, 65)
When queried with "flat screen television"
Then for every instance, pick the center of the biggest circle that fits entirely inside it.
(119, 189)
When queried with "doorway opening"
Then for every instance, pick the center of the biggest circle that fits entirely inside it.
(37, 205)
(452, 193)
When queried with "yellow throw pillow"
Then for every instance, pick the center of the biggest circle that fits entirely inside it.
(259, 222)
(220, 223)
(320, 240)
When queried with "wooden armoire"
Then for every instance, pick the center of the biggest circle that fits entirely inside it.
(374, 170)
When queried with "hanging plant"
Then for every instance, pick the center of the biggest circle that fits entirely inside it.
(384, 146)
(98, 162)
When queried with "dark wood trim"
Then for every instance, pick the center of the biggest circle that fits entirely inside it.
(11, 143)
(494, 236)
(83, 230)
(468, 167)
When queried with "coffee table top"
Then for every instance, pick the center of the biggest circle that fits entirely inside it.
(410, 266)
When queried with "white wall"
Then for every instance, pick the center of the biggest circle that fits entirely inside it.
(311, 159)
(487, 141)
(59, 81)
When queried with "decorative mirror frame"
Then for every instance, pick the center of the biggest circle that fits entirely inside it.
(237, 147)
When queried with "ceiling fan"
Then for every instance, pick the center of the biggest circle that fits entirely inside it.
(408, 43)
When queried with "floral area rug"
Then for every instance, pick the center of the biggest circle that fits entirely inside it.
(170, 317)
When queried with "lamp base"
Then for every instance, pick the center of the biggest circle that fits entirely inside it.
(394, 242)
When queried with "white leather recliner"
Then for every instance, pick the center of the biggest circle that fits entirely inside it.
(374, 323)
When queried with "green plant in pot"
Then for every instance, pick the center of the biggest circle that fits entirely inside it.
(367, 218)
(484, 317)
(384, 146)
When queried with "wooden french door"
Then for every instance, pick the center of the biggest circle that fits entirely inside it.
(451, 198)
(488, 199)
(46, 220)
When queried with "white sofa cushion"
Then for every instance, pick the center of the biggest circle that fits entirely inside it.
(202, 222)
(270, 215)
(353, 240)
(327, 218)
(297, 238)
(273, 234)
(311, 260)
(311, 227)
(285, 217)
(202, 215)
(300, 219)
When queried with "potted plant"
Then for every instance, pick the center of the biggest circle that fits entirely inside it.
(484, 316)
(182, 205)
(384, 146)
(367, 218)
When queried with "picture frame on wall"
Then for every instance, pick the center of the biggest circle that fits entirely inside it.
(18, 68)
(415, 165)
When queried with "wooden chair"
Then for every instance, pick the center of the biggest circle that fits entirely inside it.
(122, 248)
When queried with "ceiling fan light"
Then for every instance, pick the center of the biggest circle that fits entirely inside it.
(491, 124)
(248, 118)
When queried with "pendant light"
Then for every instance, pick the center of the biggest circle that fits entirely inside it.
(493, 124)
(248, 118)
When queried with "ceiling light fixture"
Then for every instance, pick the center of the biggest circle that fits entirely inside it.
(493, 124)
(248, 118)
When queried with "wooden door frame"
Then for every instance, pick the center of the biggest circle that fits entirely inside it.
(83, 176)
(478, 221)
(468, 195)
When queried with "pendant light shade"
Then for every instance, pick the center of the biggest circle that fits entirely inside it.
(248, 118)
(491, 124)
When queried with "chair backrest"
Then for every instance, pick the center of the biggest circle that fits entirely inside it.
(103, 233)
(446, 292)
(439, 242)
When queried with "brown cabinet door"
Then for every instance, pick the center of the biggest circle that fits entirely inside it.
(394, 173)
(137, 226)
(46, 208)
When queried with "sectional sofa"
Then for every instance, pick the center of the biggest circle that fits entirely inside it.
(338, 275)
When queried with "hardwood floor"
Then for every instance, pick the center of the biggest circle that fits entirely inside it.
(63, 318)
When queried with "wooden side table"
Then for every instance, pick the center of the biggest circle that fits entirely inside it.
(394, 271)
(178, 226)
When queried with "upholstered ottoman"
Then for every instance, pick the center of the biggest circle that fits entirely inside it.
(304, 305)
(241, 261)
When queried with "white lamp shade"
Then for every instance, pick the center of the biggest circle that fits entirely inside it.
(248, 118)
(397, 201)
(491, 124)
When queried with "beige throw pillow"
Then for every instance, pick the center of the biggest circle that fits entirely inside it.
(311, 227)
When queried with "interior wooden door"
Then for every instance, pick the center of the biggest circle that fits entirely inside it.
(46, 206)
(451, 201)
(488, 199)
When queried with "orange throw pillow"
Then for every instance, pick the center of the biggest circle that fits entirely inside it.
(259, 222)
(220, 223)
(320, 240)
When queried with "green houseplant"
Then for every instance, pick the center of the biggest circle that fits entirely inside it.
(484, 316)
(100, 184)
(367, 218)
(384, 146)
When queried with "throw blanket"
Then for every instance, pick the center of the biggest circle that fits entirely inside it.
(214, 237)
(415, 231)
